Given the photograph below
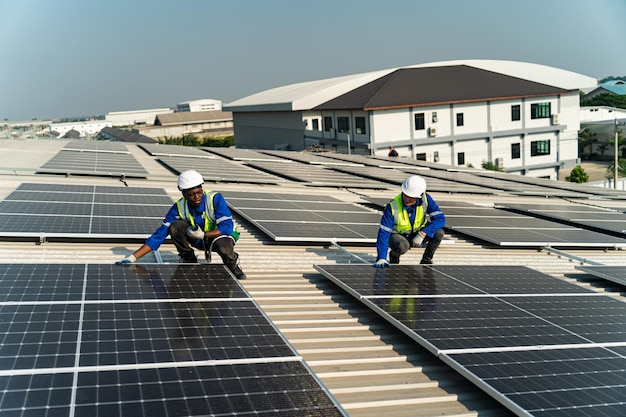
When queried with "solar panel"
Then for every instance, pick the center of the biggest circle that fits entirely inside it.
(157, 149)
(614, 273)
(316, 175)
(238, 154)
(219, 170)
(539, 345)
(96, 146)
(305, 218)
(146, 340)
(69, 162)
(593, 218)
(501, 228)
(307, 158)
(67, 211)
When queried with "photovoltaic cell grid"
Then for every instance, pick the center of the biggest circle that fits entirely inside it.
(238, 154)
(146, 340)
(156, 149)
(539, 345)
(305, 218)
(219, 170)
(99, 158)
(614, 273)
(504, 229)
(308, 158)
(82, 211)
(585, 216)
(316, 175)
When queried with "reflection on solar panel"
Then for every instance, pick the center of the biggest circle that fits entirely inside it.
(502, 228)
(586, 216)
(305, 218)
(308, 158)
(614, 273)
(100, 158)
(539, 345)
(219, 170)
(146, 340)
(238, 154)
(156, 149)
(316, 175)
(82, 211)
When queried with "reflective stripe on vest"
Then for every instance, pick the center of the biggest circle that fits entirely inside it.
(401, 221)
(208, 214)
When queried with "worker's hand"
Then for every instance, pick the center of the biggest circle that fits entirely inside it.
(417, 240)
(196, 233)
(126, 261)
(381, 263)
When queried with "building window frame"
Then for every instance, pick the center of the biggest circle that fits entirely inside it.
(540, 110)
(516, 112)
(343, 124)
(359, 125)
(516, 150)
(328, 123)
(460, 119)
(420, 121)
(460, 158)
(540, 147)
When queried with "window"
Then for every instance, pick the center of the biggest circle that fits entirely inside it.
(434, 117)
(459, 119)
(419, 121)
(328, 123)
(359, 125)
(343, 124)
(460, 158)
(540, 147)
(436, 156)
(540, 111)
(316, 124)
(516, 112)
(420, 156)
(516, 151)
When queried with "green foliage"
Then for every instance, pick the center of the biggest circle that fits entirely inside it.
(191, 140)
(621, 169)
(611, 78)
(578, 175)
(606, 99)
(488, 165)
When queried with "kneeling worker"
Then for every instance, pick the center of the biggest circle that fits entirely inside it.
(411, 219)
(200, 219)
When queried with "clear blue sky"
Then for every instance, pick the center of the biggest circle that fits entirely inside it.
(62, 58)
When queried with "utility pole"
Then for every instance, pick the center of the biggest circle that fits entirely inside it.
(615, 170)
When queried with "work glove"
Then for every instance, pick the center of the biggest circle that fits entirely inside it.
(381, 263)
(126, 261)
(195, 233)
(417, 241)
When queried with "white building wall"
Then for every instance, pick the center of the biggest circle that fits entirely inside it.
(474, 118)
(84, 128)
(476, 151)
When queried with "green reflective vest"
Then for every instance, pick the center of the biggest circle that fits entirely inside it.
(402, 222)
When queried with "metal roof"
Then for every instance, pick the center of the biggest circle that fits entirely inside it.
(178, 118)
(414, 87)
(371, 368)
(310, 94)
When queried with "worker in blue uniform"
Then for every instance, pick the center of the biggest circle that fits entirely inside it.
(199, 219)
(411, 219)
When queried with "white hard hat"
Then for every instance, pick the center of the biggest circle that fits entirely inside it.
(189, 179)
(414, 186)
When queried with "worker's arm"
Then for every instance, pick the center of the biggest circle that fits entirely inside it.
(144, 249)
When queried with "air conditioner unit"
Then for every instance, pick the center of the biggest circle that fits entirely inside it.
(555, 119)
(432, 131)
(500, 162)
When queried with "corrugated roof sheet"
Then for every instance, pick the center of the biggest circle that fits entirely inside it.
(437, 85)
(192, 117)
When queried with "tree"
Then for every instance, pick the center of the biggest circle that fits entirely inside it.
(621, 169)
(488, 165)
(586, 139)
(578, 175)
(605, 99)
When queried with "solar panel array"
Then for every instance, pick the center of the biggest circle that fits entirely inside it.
(539, 345)
(512, 229)
(82, 211)
(147, 340)
(157, 149)
(305, 218)
(594, 218)
(613, 273)
(100, 158)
